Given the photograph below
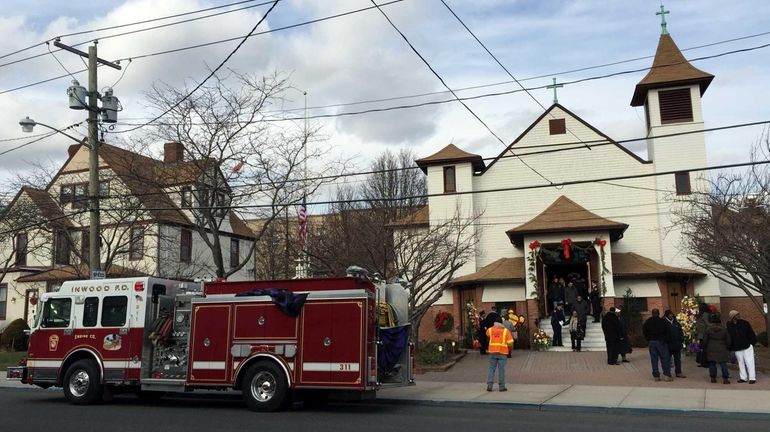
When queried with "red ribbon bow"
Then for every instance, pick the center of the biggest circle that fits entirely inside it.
(567, 245)
(601, 242)
(534, 245)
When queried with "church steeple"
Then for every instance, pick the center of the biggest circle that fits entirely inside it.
(669, 69)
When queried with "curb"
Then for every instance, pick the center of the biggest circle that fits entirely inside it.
(576, 408)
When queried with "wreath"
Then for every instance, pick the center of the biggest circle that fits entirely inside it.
(443, 322)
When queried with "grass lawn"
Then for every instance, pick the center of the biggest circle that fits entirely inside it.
(10, 358)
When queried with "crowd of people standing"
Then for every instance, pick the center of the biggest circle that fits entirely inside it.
(572, 303)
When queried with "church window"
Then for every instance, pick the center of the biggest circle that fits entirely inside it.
(682, 180)
(675, 106)
(449, 179)
(557, 126)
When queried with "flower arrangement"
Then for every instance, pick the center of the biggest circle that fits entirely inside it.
(473, 324)
(443, 322)
(687, 319)
(541, 341)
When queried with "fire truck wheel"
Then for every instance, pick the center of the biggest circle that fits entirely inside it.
(82, 384)
(265, 387)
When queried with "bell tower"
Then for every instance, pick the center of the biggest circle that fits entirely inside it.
(671, 94)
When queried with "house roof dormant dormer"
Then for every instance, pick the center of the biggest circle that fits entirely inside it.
(450, 154)
(669, 69)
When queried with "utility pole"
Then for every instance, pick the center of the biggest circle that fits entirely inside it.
(94, 257)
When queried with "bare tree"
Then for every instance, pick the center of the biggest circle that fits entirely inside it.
(358, 231)
(428, 258)
(726, 230)
(249, 164)
(24, 231)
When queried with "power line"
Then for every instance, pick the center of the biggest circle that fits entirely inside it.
(213, 72)
(445, 101)
(457, 98)
(505, 189)
(505, 68)
(132, 24)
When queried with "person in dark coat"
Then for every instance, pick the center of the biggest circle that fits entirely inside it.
(717, 342)
(570, 297)
(625, 344)
(596, 301)
(675, 341)
(701, 325)
(582, 308)
(489, 322)
(743, 340)
(655, 330)
(557, 291)
(557, 321)
(613, 336)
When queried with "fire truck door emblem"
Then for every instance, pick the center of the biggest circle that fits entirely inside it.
(53, 342)
(112, 342)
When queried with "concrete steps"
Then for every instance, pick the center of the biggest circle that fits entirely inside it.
(593, 341)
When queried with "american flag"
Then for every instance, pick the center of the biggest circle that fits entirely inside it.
(302, 216)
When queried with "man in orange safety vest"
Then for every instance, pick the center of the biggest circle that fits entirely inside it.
(500, 342)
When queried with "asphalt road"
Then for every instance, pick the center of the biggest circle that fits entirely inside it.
(38, 410)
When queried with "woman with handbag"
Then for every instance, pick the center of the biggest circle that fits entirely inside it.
(576, 331)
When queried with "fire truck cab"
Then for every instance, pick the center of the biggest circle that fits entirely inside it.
(269, 339)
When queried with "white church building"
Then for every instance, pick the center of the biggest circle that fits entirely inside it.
(618, 232)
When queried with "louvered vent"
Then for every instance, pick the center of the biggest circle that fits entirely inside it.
(675, 106)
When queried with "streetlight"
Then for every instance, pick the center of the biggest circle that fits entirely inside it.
(27, 125)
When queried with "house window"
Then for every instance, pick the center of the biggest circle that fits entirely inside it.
(221, 204)
(80, 199)
(675, 106)
(114, 311)
(62, 248)
(3, 300)
(682, 180)
(21, 249)
(66, 193)
(136, 245)
(85, 246)
(557, 126)
(449, 179)
(185, 246)
(186, 197)
(235, 253)
(90, 311)
(104, 188)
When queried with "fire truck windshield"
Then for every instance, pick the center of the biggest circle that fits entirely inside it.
(56, 313)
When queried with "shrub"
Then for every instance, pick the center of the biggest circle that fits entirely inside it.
(428, 354)
(13, 337)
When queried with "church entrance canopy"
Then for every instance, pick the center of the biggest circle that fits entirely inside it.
(566, 216)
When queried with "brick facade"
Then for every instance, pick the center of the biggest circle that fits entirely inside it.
(748, 311)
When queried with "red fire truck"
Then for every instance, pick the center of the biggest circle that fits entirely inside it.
(271, 340)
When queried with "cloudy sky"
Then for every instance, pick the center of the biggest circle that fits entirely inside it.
(359, 57)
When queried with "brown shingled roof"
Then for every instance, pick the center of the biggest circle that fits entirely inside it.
(630, 266)
(65, 273)
(417, 218)
(450, 153)
(502, 270)
(48, 207)
(565, 215)
(669, 69)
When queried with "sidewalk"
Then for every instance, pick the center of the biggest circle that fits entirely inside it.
(584, 381)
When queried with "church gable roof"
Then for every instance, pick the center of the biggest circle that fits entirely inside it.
(502, 270)
(450, 153)
(630, 265)
(670, 68)
(565, 215)
(508, 152)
